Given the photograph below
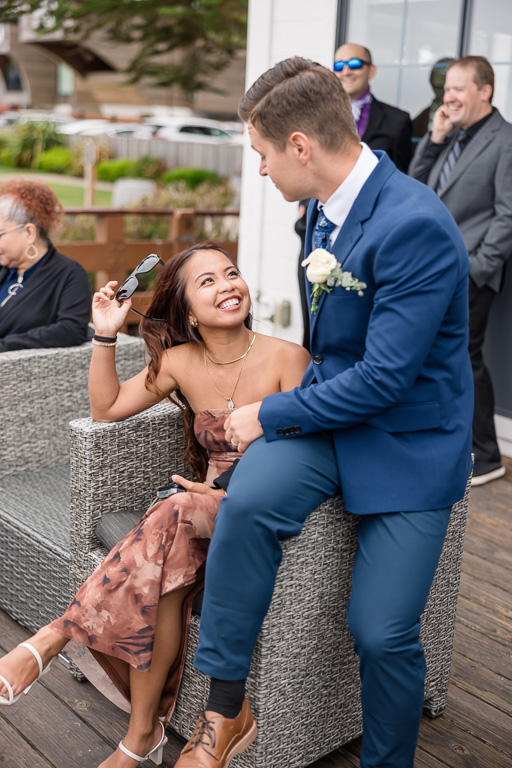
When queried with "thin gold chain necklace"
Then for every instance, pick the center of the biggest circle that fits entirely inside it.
(236, 360)
(229, 399)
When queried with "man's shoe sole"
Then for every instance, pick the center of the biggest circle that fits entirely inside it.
(483, 479)
(242, 745)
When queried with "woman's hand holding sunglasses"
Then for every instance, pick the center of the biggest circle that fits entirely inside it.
(108, 315)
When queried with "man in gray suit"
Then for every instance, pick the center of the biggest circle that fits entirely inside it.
(467, 160)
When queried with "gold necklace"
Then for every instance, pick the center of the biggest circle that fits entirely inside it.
(229, 399)
(236, 360)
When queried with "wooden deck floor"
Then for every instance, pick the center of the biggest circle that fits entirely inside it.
(63, 723)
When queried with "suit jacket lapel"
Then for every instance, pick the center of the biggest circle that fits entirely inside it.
(476, 146)
(345, 241)
(308, 240)
(374, 120)
(352, 228)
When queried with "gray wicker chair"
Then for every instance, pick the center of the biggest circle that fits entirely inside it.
(303, 686)
(42, 389)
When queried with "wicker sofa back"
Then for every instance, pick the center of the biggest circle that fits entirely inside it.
(42, 389)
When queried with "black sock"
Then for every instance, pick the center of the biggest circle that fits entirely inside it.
(226, 697)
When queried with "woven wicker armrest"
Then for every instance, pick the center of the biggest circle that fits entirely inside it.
(119, 466)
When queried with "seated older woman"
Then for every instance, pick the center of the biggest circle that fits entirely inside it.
(45, 298)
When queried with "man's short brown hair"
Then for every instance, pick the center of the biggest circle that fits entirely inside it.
(483, 73)
(300, 95)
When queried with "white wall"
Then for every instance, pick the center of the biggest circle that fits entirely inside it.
(268, 246)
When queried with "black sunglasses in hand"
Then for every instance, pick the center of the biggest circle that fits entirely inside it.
(130, 285)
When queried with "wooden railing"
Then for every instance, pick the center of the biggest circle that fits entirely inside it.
(110, 256)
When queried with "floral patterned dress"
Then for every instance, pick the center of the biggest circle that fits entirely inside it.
(114, 612)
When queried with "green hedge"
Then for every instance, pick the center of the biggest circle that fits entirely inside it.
(110, 170)
(57, 160)
(149, 168)
(192, 177)
(142, 168)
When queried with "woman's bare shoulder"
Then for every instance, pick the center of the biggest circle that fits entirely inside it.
(177, 359)
(288, 349)
(180, 352)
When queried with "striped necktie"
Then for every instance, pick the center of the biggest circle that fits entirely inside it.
(322, 231)
(451, 160)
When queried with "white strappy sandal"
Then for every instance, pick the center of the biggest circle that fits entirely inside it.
(11, 699)
(155, 755)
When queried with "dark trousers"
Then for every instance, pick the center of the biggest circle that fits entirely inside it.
(485, 444)
(273, 490)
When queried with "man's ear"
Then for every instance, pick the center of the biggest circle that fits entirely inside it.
(486, 91)
(301, 146)
(372, 71)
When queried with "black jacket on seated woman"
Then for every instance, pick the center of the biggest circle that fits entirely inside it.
(44, 296)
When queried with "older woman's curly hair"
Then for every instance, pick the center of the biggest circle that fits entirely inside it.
(23, 201)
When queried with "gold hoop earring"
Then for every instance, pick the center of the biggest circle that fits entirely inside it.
(193, 323)
(33, 254)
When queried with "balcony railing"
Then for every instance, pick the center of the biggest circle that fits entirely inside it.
(111, 256)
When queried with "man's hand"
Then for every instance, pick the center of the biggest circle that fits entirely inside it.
(198, 487)
(441, 125)
(242, 427)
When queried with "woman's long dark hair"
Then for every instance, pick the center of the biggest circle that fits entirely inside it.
(170, 303)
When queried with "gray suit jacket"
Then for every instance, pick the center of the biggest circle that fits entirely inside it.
(478, 194)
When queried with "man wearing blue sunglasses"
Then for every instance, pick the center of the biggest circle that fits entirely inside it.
(379, 125)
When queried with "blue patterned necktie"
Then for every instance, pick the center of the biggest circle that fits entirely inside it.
(451, 159)
(322, 231)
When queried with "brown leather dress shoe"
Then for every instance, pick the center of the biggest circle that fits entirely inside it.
(216, 739)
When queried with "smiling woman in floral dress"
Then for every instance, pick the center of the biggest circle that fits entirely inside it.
(133, 612)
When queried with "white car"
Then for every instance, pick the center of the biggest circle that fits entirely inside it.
(111, 129)
(81, 126)
(18, 118)
(189, 129)
(33, 116)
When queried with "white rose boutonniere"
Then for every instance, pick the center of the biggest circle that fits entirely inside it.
(324, 273)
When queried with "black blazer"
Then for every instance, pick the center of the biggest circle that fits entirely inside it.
(390, 129)
(51, 310)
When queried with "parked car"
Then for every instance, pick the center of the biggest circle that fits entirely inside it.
(188, 129)
(8, 118)
(111, 129)
(80, 126)
(16, 117)
(40, 116)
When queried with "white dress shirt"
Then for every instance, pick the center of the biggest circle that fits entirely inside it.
(342, 199)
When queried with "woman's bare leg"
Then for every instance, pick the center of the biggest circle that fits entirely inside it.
(20, 668)
(146, 688)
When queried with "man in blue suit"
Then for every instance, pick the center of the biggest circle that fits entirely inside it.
(384, 411)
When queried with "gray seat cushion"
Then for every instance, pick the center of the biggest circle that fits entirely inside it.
(114, 526)
(39, 500)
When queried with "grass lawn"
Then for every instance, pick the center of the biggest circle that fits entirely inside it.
(70, 195)
(74, 196)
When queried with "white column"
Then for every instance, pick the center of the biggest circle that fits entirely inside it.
(269, 247)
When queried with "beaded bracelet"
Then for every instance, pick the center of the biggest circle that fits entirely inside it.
(105, 339)
(103, 344)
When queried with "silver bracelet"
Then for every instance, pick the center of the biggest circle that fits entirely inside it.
(104, 344)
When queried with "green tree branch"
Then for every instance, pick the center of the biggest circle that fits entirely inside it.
(205, 35)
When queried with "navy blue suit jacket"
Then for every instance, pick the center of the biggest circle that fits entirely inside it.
(390, 376)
